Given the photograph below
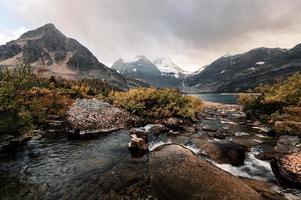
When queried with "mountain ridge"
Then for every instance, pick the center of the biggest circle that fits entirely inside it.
(51, 53)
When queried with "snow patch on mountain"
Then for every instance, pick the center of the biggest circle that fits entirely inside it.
(260, 63)
(167, 67)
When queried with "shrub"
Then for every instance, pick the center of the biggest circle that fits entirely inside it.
(278, 101)
(157, 103)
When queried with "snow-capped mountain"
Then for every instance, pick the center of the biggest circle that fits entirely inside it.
(167, 67)
(160, 73)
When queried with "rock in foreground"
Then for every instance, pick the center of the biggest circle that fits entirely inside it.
(176, 173)
(88, 116)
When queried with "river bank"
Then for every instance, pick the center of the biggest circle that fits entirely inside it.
(53, 167)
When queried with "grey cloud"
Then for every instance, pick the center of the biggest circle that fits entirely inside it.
(192, 32)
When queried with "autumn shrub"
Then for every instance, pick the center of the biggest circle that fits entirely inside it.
(157, 103)
(278, 101)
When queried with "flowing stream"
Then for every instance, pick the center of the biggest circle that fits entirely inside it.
(58, 168)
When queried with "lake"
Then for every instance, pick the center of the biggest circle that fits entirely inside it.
(225, 98)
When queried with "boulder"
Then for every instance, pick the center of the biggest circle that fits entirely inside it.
(288, 127)
(222, 152)
(286, 165)
(137, 146)
(156, 129)
(172, 123)
(8, 143)
(93, 116)
(287, 144)
(287, 169)
(140, 133)
(176, 173)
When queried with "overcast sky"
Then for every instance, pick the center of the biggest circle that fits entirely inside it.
(192, 33)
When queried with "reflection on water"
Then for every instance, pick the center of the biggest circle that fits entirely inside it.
(219, 97)
(52, 169)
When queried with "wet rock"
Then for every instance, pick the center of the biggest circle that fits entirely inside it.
(156, 129)
(9, 143)
(287, 169)
(246, 142)
(173, 123)
(211, 125)
(137, 146)
(140, 133)
(265, 189)
(223, 152)
(287, 144)
(288, 127)
(93, 116)
(286, 164)
(176, 173)
(268, 155)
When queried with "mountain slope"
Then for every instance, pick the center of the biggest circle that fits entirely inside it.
(247, 70)
(142, 69)
(51, 53)
(167, 67)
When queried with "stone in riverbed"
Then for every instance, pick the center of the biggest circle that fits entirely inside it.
(288, 144)
(92, 116)
(287, 169)
(137, 146)
(222, 152)
(176, 173)
(9, 143)
(172, 123)
(288, 127)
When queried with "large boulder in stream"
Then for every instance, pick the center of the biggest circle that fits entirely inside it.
(92, 116)
(287, 169)
(222, 152)
(176, 173)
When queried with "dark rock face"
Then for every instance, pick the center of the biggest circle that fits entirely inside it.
(186, 177)
(223, 152)
(9, 143)
(247, 70)
(51, 53)
(93, 116)
(142, 69)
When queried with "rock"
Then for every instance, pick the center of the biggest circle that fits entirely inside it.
(287, 169)
(140, 133)
(287, 144)
(222, 152)
(286, 165)
(172, 123)
(268, 155)
(9, 143)
(93, 116)
(211, 125)
(137, 146)
(176, 173)
(156, 129)
(246, 142)
(288, 127)
(265, 189)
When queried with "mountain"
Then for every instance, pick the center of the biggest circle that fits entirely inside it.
(246, 71)
(167, 67)
(142, 69)
(51, 53)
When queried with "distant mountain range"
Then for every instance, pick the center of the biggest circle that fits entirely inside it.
(246, 71)
(159, 73)
(51, 53)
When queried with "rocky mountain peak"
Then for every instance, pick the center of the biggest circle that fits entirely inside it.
(48, 30)
(51, 53)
